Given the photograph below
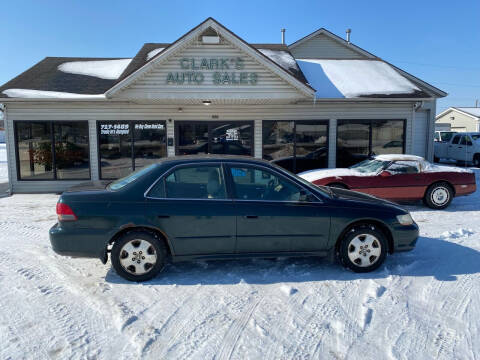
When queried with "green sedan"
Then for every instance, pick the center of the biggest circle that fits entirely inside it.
(212, 207)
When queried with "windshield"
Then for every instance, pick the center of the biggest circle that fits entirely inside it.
(370, 166)
(120, 183)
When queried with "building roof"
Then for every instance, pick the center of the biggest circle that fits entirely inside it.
(46, 76)
(473, 112)
(89, 78)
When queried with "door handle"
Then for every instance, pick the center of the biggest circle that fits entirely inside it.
(163, 216)
(251, 216)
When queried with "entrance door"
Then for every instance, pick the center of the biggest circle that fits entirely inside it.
(209, 137)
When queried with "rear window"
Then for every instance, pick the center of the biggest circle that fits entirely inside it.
(120, 183)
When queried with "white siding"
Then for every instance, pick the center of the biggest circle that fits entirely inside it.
(126, 111)
(332, 143)
(323, 47)
(153, 85)
(258, 140)
(420, 129)
(171, 134)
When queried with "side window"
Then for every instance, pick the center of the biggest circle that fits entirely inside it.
(466, 140)
(447, 136)
(404, 167)
(192, 182)
(456, 139)
(437, 136)
(257, 184)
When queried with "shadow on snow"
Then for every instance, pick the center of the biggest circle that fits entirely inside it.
(438, 258)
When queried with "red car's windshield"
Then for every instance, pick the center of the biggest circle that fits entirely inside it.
(370, 166)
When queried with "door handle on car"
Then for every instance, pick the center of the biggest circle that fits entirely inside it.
(251, 216)
(163, 216)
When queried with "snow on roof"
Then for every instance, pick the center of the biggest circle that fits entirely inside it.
(475, 111)
(399, 157)
(154, 52)
(104, 69)
(354, 78)
(281, 57)
(42, 94)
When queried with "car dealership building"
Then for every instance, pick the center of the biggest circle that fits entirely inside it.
(319, 102)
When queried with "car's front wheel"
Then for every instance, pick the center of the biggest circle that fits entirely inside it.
(363, 248)
(138, 256)
(438, 196)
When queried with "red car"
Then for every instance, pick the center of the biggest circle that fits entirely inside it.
(400, 178)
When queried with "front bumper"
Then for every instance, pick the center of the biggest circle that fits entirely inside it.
(461, 190)
(78, 242)
(405, 237)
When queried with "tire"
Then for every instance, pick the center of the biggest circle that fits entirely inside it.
(338, 186)
(149, 258)
(439, 196)
(367, 258)
(476, 160)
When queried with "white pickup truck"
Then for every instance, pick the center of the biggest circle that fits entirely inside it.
(462, 147)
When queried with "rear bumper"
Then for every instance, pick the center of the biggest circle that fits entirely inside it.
(405, 237)
(467, 189)
(78, 242)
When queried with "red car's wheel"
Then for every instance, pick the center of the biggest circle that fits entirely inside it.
(439, 196)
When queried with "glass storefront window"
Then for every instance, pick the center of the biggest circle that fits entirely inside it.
(115, 147)
(149, 145)
(387, 137)
(71, 150)
(279, 142)
(353, 141)
(126, 146)
(296, 145)
(192, 138)
(359, 139)
(34, 148)
(233, 138)
(66, 159)
(311, 150)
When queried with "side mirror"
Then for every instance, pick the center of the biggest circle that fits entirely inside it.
(385, 173)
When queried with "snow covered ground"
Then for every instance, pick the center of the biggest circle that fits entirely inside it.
(420, 305)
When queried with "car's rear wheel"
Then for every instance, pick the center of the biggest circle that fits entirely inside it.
(363, 248)
(138, 256)
(439, 196)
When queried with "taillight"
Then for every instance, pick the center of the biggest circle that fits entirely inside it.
(65, 212)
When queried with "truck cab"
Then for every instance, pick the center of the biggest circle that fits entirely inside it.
(462, 147)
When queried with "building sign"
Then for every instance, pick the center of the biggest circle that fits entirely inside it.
(220, 71)
(149, 126)
(114, 129)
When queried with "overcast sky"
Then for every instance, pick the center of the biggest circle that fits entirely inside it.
(437, 41)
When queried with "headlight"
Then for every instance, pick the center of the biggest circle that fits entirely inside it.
(405, 219)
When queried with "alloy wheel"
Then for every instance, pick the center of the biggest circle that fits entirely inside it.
(364, 250)
(138, 256)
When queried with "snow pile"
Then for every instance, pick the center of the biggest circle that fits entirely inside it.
(457, 234)
(353, 78)
(288, 290)
(152, 53)
(281, 57)
(398, 157)
(103, 69)
(43, 94)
